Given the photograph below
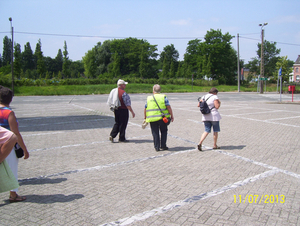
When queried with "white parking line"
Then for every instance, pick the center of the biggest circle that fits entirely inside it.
(178, 204)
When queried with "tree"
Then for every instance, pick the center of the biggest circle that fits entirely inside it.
(254, 66)
(28, 60)
(169, 56)
(59, 60)
(128, 54)
(283, 63)
(222, 56)
(90, 67)
(66, 62)
(40, 63)
(116, 65)
(192, 54)
(270, 57)
(76, 68)
(143, 65)
(6, 56)
(214, 57)
(50, 66)
(17, 61)
(102, 56)
(165, 69)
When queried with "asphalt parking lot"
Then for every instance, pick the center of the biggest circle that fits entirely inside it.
(76, 176)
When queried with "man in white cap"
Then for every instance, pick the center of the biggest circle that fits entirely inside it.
(121, 113)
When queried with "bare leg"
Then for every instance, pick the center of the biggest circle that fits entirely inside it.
(203, 136)
(215, 139)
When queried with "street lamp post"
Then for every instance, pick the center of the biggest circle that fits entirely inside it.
(262, 58)
(12, 54)
(238, 64)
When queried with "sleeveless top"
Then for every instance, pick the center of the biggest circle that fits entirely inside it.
(4, 113)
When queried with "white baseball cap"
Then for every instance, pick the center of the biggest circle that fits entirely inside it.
(120, 82)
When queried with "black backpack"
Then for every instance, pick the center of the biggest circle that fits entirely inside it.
(204, 107)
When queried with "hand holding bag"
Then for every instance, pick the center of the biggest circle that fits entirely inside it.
(7, 179)
(19, 151)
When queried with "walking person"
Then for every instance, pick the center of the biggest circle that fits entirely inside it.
(211, 120)
(121, 110)
(9, 121)
(155, 106)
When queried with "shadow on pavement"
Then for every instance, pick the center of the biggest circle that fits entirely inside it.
(47, 199)
(231, 147)
(38, 181)
(57, 123)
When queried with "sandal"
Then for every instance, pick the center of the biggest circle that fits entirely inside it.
(17, 199)
(200, 147)
(216, 147)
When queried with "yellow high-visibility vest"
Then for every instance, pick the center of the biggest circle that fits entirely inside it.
(153, 113)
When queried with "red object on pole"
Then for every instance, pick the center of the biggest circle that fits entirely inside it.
(292, 89)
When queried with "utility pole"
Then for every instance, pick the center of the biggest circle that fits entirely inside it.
(12, 55)
(238, 63)
(262, 58)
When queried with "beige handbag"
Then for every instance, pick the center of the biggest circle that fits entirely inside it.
(7, 179)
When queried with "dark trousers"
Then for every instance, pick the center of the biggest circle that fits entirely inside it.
(163, 128)
(121, 121)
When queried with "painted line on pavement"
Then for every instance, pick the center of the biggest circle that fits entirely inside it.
(81, 144)
(178, 204)
(260, 120)
(107, 165)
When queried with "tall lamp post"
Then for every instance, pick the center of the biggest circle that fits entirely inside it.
(238, 63)
(12, 54)
(262, 58)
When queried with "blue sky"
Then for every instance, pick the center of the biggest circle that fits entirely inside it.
(160, 22)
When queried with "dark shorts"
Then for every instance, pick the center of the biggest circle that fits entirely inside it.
(214, 124)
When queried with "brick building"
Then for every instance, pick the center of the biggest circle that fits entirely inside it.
(296, 70)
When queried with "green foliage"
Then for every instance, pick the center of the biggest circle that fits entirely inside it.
(66, 62)
(286, 70)
(6, 55)
(17, 61)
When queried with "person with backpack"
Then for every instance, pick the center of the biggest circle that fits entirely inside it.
(209, 105)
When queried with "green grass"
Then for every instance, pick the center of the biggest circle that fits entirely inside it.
(131, 88)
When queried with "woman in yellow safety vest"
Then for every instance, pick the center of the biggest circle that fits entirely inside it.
(156, 108)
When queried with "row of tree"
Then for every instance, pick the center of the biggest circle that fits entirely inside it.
(34, 65)
(211, 58)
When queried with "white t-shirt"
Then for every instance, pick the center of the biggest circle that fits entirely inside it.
(214, 114)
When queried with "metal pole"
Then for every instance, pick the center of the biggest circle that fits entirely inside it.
(238, 63)
(280, 86)
(262, 61)
(12, 55)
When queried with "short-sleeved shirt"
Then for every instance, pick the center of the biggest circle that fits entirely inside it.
(214, 114)
(126, 99)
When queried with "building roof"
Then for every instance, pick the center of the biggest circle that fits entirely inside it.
(298, 60)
